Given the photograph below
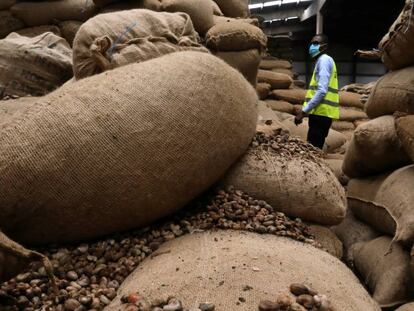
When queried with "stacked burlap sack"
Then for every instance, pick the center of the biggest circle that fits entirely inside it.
(380, 195)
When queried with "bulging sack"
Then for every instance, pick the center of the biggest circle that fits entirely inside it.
(33, 66)
(39, 30)
(343, 126)
(386, 271)
(328, 240)
(294, 184)
(192, 267)
(405, 131)
(48, 12)
(374, 149)
(246, 62)
(9, 23)
(274, 63)
(112, 40)
(397, 45)
(276, 80)
(99, 158)
(263, 90)
(69, 30)
(349, 99)
(280, 105)
(393, 92)
(351, 114)
(293, 96)
(234, 8)
(406, 307)
(235, 36)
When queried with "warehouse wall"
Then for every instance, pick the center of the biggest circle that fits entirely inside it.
(350, 68)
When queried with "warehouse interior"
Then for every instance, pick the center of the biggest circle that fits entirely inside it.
(206, 155)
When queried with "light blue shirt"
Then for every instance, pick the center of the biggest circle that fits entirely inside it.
(324, 68)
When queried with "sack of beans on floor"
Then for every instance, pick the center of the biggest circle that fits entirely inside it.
(33, 66)
(99, 158)
(9, 23)
(276, 80)
(263, 90)
(291, 176)
(405, 131)
(269, 63)
(280, 105)
(349, 99)
(328, 240)
(234, 8)
(293, 96)
(256, 267)
(406, 307)
(69, 29)
(39, 30)
(112, 40)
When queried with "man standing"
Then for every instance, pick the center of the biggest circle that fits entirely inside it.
(322, 98)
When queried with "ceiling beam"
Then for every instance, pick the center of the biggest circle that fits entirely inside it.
(313, 9)
(281, 14)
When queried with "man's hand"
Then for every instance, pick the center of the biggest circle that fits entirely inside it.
(299, 117)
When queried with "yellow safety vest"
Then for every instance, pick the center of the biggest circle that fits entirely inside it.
(329, 107)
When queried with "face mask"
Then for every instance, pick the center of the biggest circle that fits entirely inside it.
(314, 49)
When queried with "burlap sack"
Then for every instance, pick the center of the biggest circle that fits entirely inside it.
(288, 72)
(374, 149)
(9, 23)
(328, 240)
(154, 5)
(246, 62)
(360, 122)
(283, 116)
(39, 30)
(351, 114)
(348, 99)
(235, 36)
(200, 11)
(115, 39)
(69, 30)
(397, 196)
(300, 84)
(276, 80)
(265, 115)
(274, 63)
(386, 270)
(333, 141)
(350, 232)
(297, 187)
(397, 47)
(14, 108)
(33, 66)
(216, 266)
(225, 19)
(48, 12)
(234, 8)
(295, 96)
(405, 131)
(98, 158)
(393, 92)
(336, 167)
(280, 105)
(407, 307)
(263, 90)
(343, 126)
(5, 4)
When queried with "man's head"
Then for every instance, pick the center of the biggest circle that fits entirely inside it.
(319, 45)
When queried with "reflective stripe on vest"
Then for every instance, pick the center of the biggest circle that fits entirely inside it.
(329, 107)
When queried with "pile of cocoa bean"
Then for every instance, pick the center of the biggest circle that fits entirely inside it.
(89, 274)
(305, 299)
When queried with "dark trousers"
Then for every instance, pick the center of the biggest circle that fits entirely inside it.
(318, 130)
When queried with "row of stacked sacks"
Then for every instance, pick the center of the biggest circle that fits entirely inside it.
(40, 51)
(378, 234)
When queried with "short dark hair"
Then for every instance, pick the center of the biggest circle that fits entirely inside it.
(321, 39)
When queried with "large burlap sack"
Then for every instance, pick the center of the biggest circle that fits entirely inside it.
(225, 19)
(39, 30)
(9, 23)
(393, 92)
(406, 307)
(234, 8)
(280, 105)
(351, 114)
(349, 99)
(5, 4)
(397, 46)
(69, 30)
(265, 115)
(328, 240)
(375, 148)
(200, 11)
(343, 126)
(263, 90)
(293, 96)
(154, 5)
(350, 232)
(246, 62)
(216, 266)
(274, 63)
(48, 12)
(386, 270)
(397, 196)
(336, 167)
(115, 39)
(288, 72)
(334, 140)
(33, 66)
(98, 158)
(276, 80)
(405, 131)
(14, 108)
(295, 186)
(235, 36)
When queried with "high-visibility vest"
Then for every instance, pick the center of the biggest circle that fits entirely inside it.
(329, 107)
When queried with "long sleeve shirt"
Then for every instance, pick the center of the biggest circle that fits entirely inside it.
(324, 69)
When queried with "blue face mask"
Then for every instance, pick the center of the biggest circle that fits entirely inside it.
(314, 49)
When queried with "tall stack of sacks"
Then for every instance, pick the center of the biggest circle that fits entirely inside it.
(240, 44)
(111, 40)
(99, 158)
